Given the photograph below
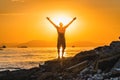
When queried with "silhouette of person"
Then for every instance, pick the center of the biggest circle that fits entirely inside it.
(61, 35)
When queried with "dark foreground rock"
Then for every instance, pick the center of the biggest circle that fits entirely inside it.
(97, 64)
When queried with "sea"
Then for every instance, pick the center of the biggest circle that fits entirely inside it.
(25, 58)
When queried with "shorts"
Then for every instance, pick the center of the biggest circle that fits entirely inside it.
(61, 43)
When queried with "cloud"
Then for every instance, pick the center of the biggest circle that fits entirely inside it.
(17, 0)
(10, 14)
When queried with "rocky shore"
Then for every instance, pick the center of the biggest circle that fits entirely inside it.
(97, 64)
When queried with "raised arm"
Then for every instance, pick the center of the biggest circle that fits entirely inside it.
(51, 22)
(70, 22)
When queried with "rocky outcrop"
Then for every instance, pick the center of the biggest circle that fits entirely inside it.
(97, 64)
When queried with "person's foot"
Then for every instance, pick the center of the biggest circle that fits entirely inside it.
(63, 57)
(58, 57)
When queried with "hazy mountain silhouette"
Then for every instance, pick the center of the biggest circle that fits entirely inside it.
(40, 43)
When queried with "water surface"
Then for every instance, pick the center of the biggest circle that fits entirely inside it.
(24, 58)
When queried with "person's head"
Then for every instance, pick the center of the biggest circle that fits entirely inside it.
(61, 24)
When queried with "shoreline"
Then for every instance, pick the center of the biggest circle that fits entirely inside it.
(98, 63)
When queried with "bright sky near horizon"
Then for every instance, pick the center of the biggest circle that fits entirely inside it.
(25, 20)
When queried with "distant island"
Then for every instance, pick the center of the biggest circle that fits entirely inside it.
(22, 47)
(3, 46)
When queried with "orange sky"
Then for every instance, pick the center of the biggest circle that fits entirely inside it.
(25, 20)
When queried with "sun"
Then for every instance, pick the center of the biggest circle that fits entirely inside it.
(64, 18)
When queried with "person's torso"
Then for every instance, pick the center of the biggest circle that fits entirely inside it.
(61, 32)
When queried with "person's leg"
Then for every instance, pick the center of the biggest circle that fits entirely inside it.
(63, 47)
(58, 47)
(63, 52)
(58, 53)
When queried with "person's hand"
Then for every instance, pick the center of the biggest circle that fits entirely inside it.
(74, 18)
(48, 18)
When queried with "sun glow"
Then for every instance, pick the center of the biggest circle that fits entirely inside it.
(65, 19)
